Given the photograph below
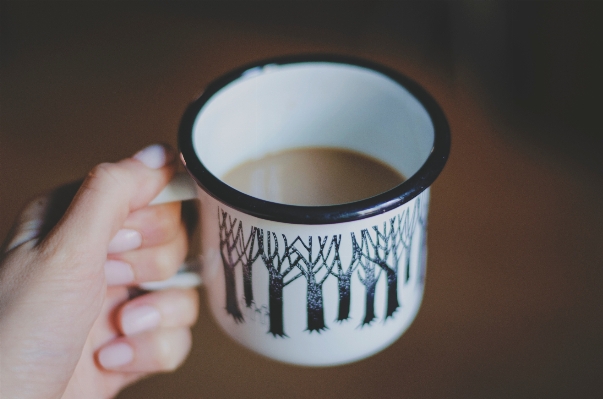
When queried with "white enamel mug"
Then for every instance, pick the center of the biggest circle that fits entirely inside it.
(321, 285)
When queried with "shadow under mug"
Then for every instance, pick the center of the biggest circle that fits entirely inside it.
(312, 285)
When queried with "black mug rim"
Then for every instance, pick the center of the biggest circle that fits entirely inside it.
(327, 214)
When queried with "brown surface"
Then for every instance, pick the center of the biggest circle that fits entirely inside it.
(514, 297)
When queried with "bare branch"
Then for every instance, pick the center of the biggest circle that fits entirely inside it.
(292, 279)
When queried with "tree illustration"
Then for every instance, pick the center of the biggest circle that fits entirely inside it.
(378, 250)
(422, 221)
(370, 278)
(231, 236)
(316, 270)
(407, 223)
(250, 251)
(386, 247)
(279, 265)
(381, 249)
(344, 279)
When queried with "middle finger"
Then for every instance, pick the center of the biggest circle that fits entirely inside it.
(168, 308)
(148, 227)
(154, 263)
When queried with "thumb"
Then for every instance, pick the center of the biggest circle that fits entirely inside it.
(108, 194)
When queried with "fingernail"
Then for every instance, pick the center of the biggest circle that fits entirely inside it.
(153, 156)
(118, 272)
(115, 355)
(125, 240)
(139, 319)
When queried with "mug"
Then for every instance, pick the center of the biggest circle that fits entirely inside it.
(312, 285)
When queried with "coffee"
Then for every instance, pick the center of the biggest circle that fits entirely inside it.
(313, 176)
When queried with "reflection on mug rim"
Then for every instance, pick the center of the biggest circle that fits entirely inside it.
(297, 214)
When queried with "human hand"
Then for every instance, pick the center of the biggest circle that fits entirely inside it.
(68, 328)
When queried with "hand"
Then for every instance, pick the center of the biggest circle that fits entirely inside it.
(67, 326)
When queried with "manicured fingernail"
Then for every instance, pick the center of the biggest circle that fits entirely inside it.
(138, 319)
(118, 272)
(115, 355)
(125, 240)
(153, 156)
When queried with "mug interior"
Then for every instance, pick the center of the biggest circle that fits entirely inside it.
(326, 101)
(275, 107)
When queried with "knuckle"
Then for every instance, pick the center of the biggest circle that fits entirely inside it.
(181, 247)
(103, 170)
(166, 265)
(164, 353)
(104, 174)
(166, 223)
(169, 259)
(182, 307)
(193, 298)
(173, 348)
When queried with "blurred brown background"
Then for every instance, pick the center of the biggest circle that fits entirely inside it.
(514, 296)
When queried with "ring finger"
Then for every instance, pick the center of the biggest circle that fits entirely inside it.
(159, 309)
(154, 351)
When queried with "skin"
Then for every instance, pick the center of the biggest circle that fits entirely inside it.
(57, 312)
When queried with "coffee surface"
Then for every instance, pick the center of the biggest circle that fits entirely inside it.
(313, 176)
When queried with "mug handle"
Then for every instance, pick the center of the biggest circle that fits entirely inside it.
(180, 188)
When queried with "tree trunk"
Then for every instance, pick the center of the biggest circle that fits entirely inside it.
(275, 303)
(232, 304)
(316, 318)
(392, 292)
(247, 289)
(369, 310)
(422, 257)
(344, 284)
